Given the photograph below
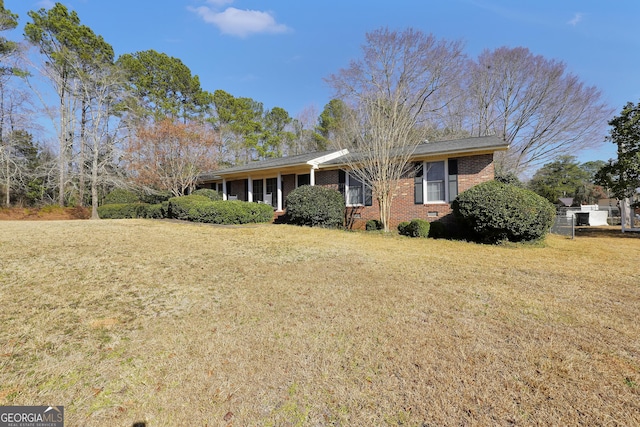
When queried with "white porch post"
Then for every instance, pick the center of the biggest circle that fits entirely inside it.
(224, 189)
(312, 176)
(264, 189)
(279, 192)
(249, 189)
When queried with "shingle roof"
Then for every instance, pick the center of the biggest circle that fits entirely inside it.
(456, 146)
(448, 147)
(275, 163)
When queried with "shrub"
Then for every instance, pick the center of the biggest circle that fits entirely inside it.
(437, 230)
(402, 228)
(200, 208)
(155, 211)
(414, 228)
(155, 197)
(232, 212)
(493, 211)
(315, 206)
(122, 210)
(180, 207)
(121, 196)
(209, 193)
(373, 225)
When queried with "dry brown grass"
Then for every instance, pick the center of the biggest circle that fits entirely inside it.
(177, 324)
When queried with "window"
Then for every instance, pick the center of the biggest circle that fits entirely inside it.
(272, 191)
(433, 187)
(258, 190)
(435, 181)
(304, 179)
(357, 194)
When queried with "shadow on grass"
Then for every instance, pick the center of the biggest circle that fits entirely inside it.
(609, 231)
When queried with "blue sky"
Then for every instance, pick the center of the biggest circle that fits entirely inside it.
(278, 52)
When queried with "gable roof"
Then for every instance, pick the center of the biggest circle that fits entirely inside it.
(335, 158)
(452, 147)
(274, 163)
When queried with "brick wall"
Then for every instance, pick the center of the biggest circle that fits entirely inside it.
(288, 185)
(327, 178)
(471, 171)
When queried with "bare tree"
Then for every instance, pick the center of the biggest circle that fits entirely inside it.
(102, 89)
(392, 93)
(169, 155)
(307, 138)
(533, 103)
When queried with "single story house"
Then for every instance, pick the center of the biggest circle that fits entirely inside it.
(452, 167)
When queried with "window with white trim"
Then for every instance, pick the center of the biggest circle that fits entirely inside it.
(438, 184)
(356, 192)
(435, 182)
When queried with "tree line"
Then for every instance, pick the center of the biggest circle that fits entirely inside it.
(143, 120)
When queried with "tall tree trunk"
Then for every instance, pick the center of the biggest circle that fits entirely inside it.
(94, 182)
(62, 156)
(81, 160)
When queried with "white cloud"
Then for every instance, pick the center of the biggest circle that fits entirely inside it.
(577, 18)
(219, 3)
(237, 22)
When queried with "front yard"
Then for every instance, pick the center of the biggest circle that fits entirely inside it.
(167, 323)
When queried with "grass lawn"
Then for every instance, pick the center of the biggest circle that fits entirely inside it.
(175, 324)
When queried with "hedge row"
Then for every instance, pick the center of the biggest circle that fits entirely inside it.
(201, 209)
(123, 210)
(195, 208)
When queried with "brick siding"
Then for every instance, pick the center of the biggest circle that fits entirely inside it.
(471, 171)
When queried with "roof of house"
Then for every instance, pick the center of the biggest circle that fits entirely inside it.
(336, 157)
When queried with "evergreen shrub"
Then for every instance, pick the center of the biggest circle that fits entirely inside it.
(155, 197)
(122, 210)
(200, 208)
(121, 196)
(155, 211)
(315, 206)
(182, 207)
(209, 193)
(373, 225)
(493, 211)
(414, 228)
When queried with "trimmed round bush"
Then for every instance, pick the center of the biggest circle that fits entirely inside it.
(209, 193)
(414, 228)
(373, 225)
(315, 206)
(120, 196)
(492, 212)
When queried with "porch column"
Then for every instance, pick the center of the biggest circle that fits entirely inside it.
(279, 192)
(249, 189)
(224, 189)
(312, 176)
